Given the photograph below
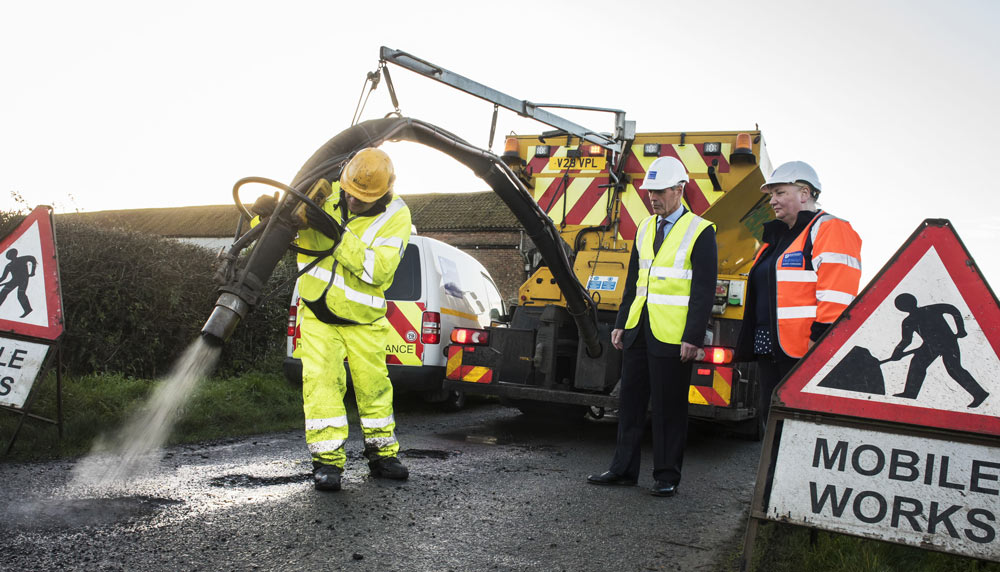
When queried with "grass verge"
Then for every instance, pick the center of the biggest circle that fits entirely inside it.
(99, 404)
(788, 548)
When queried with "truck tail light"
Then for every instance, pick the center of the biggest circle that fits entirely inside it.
(470, 336)
(430, 328)
(591, 150)
(715, 355)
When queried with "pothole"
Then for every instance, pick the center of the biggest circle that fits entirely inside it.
(436, 454)
(253, 482)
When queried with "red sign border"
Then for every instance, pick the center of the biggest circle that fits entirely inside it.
(53, 290)
(971, 284)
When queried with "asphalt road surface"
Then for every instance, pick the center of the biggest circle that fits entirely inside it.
(490, 489)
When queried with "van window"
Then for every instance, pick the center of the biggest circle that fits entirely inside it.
(406, 282)
(493, 297)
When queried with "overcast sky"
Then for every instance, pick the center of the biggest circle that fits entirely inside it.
(107, 105)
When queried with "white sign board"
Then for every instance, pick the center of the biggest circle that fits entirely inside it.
(20, 363)
(921, 491)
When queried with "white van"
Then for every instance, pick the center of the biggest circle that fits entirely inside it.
(436, 289)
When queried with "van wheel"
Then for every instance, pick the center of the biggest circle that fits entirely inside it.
(455, 401)
(543, 411)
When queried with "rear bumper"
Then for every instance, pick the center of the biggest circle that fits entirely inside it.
(403, 377)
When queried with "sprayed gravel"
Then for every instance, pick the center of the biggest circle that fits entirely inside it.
(489, 490)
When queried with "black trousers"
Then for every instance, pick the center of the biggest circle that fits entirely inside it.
(771, 370)
(661, 385)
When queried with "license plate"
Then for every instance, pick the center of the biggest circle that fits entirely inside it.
(577, 163)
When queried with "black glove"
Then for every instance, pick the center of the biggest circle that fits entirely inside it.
(264, 205)
(323, 223)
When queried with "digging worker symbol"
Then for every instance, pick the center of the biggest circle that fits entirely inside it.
(938, 341)
(19, 270)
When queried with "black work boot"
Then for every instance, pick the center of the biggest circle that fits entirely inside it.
(388, 468)
(326, 477)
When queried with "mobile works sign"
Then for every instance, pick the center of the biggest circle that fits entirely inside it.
(889, 428)
(895, 487)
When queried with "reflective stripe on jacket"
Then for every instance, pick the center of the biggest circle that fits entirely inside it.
(663, 283)
(815, 284)
(352, 281)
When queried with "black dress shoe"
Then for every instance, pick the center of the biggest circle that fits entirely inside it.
(609, 478)
(663, 489)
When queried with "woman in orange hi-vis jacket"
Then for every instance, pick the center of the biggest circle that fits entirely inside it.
(806, 273)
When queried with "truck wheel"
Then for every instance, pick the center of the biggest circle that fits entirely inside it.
(751, 429)
(559, 412)
(455, 401)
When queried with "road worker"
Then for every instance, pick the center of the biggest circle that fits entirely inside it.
(806, 272)
(661, 324)
(342, 312)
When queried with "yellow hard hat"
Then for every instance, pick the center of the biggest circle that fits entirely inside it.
(368, 175)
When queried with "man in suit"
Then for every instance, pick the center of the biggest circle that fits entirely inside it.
(660, 327)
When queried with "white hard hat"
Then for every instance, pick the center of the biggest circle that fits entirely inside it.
(793, 172)
(663, 173)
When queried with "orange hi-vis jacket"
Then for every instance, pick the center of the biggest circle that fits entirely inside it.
(816, 278)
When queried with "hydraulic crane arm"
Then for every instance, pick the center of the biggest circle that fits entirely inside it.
(624, 130)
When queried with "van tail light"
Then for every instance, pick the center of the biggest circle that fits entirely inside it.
(294, 331)
(470, 336)
(293, 311)
(430, 328)
(715, 355)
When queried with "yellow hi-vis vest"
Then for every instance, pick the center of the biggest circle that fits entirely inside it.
(663, 284)
(352, 281)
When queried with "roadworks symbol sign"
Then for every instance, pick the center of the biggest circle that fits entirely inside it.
(30, 295)
(919, 345)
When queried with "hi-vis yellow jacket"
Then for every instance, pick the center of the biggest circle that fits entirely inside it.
(663, 283)
(352, 281)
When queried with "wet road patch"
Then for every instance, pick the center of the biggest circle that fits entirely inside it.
(61, 514)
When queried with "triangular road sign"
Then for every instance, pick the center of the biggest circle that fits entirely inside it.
(30, 294)
(920, 345)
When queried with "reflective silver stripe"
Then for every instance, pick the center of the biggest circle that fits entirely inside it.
(836, 258)
(317, 272)
(317, 424)
(814, 231)
(369, 265)
(380, 442)
(359, 297)
(645, 263)
(641, 291)
(795, 276)
(664, 272)
(388, 241)
(349, 293)
(380, 221)
(797, 312)
(834, 296)
(643, 227)
(667, 300)
(377, 423)
(685, 245)
(326, 446)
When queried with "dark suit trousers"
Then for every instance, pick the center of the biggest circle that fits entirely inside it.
(665, 381)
